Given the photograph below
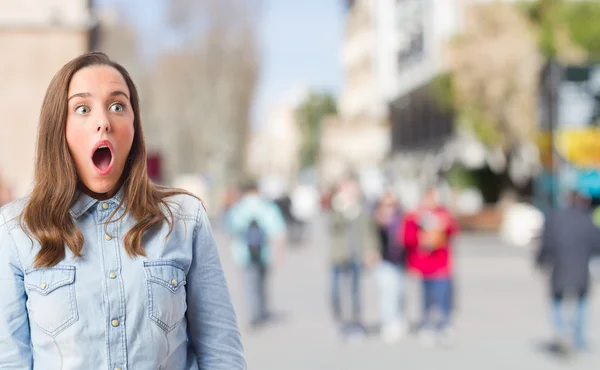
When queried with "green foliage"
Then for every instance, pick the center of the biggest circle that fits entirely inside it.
(544, 16)
(584, 27)
(309, 116)
(468, 116)
(459, 177)
(476, 122)
(578, 18)
(443, 89)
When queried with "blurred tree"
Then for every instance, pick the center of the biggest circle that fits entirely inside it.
(309, 116)
(119, 40)
(566, 30)
(203, 86)
(494, 65)
(584, 28)
(443, 88)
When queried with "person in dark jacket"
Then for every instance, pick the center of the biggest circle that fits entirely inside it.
(388, 265)
(569, 240)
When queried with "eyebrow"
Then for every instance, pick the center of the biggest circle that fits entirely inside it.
(87, 95)
(115, 93)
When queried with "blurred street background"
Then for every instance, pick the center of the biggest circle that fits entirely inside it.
(495, 104)
(501, 320)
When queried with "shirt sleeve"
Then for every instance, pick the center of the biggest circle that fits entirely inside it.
(212, 322)
(15, 348)
(545, 254)
(408, 233)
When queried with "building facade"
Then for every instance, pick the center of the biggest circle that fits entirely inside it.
(356, 139)
(274, 148)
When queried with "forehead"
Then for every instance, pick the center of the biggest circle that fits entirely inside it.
(99, 79)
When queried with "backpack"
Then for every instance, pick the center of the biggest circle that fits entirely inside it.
(256, 240)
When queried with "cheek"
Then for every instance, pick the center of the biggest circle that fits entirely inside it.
(76, 140)
(124, 135)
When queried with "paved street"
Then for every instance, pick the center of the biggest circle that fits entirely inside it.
(502, 319)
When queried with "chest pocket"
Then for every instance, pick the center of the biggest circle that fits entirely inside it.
(165, 293)
(51, 301)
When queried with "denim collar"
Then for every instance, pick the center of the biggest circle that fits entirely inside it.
(84, 202)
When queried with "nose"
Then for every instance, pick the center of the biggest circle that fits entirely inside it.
(103, 124)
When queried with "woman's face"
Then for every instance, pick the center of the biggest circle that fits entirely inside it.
(99, 129)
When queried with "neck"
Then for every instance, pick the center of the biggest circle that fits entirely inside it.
(101, 196)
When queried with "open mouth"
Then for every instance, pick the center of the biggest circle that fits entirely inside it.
(102, 158)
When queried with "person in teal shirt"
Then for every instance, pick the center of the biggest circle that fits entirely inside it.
(258, 231)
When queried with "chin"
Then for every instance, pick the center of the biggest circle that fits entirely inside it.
(102, 186)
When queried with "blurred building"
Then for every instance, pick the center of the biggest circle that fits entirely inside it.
(274, 148)
(357, 137)
(388, 112)
(413, 37)
(36, 39)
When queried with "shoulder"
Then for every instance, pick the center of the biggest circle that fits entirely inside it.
(270, 205)
(185, 206)
(11, 213)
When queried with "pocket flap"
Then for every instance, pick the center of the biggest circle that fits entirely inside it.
(169, 274)
(47, 280)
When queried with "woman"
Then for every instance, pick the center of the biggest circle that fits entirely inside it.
(389, 268)
(428, 234)
(99, 267)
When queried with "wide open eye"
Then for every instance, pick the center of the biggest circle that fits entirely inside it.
(82, 109)
(117, 108)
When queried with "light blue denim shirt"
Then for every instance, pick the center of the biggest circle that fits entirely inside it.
(268, 217)
(168, 310)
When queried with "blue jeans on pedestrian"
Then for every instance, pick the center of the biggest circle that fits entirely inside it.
(563, 330)
(255, 276)
(437, 294)
(343, 272)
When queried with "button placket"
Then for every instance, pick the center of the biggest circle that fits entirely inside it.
(109, 238)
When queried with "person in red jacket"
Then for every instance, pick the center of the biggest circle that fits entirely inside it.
(427, 236)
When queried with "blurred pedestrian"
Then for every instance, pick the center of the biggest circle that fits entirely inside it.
(258, 229)
(352, 237)
(428, 233)
(99, 267)
(284, 203)
(388, 263)
(569, 241)
(304, 207)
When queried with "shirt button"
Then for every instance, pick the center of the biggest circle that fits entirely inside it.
(107, 237)
(115, 323)
(112, 275)
(174, 282)
(117, 368)
(105, 205)
(43, 286)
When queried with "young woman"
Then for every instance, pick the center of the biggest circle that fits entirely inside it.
(99, 267)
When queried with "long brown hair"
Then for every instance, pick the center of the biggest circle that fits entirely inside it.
(46, 215)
